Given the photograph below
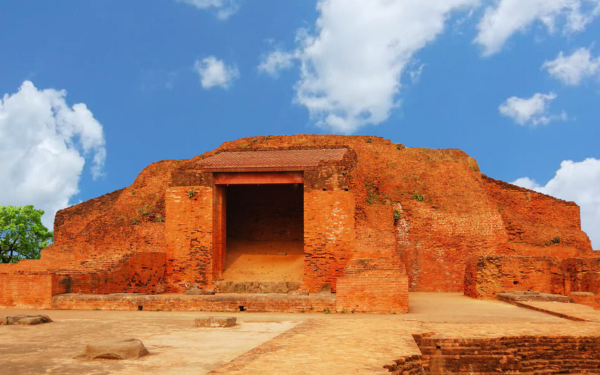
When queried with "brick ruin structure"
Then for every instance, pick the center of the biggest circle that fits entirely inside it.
(338, 222)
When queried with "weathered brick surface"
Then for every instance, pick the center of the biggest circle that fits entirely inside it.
(265, 212)
(487, 276)
(373, 286)
(533, 221)
(215, 303)
(189, 237)
(131, 273)
(448, 213)
(374, 280)
(522, 354)
(26, 291)
(328, 236)
(582, 274)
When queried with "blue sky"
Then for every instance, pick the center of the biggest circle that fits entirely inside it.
(515, 84)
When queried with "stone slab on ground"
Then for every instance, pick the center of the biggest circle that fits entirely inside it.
(571, 311)
(216, 321)
(523, 296)
(27, 319)
(119, 348)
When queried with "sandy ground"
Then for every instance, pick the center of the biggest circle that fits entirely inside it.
(177, 347)
(264, 261)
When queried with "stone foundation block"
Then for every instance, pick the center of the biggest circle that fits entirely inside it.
(216, 321)
(28, 319)
(127, 348)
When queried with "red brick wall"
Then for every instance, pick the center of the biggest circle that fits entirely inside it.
(265, 212)
(135, 273)
(26, 291)
(511, 354)
(374, 280)
(487, 276)
(328, 236)
(189, 237)
(533, 220)
(580, 274)
(376, 285)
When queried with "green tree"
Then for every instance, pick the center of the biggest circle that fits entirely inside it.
(22, 234)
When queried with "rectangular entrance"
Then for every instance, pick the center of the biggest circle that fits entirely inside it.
(258, 226)
(264, 228)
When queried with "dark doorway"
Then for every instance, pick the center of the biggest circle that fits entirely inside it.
(265, 233)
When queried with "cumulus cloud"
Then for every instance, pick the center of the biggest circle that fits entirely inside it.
(43, 148)
(276, 61)
(531, 111)
(224, 8)
(350, 67)
(214, 73)
(507, 17)
(572, 69)
(578, 182)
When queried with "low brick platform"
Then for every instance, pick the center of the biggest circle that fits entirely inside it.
(179, 302)
(571, 311)
(533, 296)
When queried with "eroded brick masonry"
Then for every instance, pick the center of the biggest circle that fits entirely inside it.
(375, 220)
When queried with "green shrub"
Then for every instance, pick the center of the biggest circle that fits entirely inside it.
(372, 195)
(160, 219)
(547, 243)
(399, 146)
(418, 197)
(135, 221)
(474, 168)
(369, 140)
(396, 216)
(556, 240)
(191, 193)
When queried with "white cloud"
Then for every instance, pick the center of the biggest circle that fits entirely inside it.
(571, 70)
(213, 72)
(578, 182)
(43, 145)
(508, 17)
(224, 8)
(532, 111)
(276, 61)
(350, 68)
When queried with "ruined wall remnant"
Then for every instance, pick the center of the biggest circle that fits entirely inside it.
(487, 276)
(375, 216)
(578, 278)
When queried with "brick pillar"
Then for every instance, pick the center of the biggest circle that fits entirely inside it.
(328, 236)
(189, 237)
